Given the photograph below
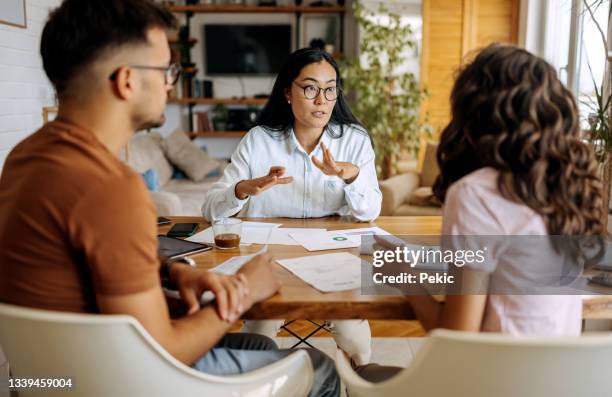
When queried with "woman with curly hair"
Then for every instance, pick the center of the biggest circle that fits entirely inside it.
(511, 164)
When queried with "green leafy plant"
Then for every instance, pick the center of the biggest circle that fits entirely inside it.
(385, 98)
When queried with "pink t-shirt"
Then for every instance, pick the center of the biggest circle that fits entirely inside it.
(474, 206)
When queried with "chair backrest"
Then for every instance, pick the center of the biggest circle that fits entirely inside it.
(113, 355)
(483, 365)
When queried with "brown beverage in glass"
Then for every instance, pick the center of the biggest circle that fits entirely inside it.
(227, 232)
(227, 240)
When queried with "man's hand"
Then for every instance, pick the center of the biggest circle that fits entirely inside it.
(348, 172)
(262, 280)
(231, 292)
(252, 187)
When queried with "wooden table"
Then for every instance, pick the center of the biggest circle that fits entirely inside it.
(297, 299)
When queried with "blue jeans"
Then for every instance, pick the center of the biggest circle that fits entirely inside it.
(240, 352)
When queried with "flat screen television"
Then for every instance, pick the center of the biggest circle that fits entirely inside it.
(245, 49)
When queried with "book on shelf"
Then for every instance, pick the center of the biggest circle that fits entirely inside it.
(203, 121)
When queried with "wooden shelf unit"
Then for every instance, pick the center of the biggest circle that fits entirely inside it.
(217, 134)
(239, 8)
(190, 10)
(216, 101)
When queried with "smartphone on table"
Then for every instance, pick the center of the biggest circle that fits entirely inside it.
(182, 230)
(163, 221)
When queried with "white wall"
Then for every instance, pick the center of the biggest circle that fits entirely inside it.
(24, 88)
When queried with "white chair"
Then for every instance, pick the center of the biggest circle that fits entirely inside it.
(485, 365)
(113, 355)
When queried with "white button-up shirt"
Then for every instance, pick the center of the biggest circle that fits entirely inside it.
(311, 194)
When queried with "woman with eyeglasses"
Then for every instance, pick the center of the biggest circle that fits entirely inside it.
(308, 157)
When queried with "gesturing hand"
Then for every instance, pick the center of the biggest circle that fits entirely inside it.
(346, 171)
(252, 187)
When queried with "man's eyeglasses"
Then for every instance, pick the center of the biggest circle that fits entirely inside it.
(312, 91)
(171, 73)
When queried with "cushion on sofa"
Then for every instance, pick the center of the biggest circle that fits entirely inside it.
(187, 156)
(423, 196)
(415, 210)
(144, 153)
(395, 190)
(151, 180)
(191, 193)
(430, 170)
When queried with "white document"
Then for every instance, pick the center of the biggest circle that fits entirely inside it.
(282, 236)
(326, 240)
(260, 224)
(328, 272)
(367, 243)
(257, 235)
(232, 265)
(252, 233)
(207, 236)
(365, 231)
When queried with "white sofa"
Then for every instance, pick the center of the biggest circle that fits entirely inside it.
(175, 196)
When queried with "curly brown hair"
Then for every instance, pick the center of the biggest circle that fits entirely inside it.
(510, 112)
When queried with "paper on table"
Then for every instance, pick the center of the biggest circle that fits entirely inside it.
(328, 272)
(328, 240)
(367, 244)
(229, 267)
(364, 231)
(260, 224)
(257, 235)
(232, 265)
(281, 236)
(205, 236)
(252, 233)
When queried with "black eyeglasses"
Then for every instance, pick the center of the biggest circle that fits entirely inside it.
(313, 91)
(171, 73)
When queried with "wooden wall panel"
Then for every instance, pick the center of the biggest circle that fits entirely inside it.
(497, 21)
(442, 40)
(453, 29)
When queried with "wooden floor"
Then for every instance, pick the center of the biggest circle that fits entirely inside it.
(379, 328)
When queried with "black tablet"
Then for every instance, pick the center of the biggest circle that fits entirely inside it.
(173, 248)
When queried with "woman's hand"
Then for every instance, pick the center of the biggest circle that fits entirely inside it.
(231, 292)
(346, 171)
(252, 187)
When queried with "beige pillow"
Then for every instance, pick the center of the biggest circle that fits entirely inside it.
(188, 157)
(423, 196)
(145, 152)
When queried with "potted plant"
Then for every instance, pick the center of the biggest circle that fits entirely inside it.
(387, 99)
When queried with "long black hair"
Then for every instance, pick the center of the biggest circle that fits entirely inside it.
(277, 116)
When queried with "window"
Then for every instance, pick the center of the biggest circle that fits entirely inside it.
(591, 54)
(575, 45)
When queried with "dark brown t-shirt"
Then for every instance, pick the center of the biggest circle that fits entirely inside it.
(74, 221)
